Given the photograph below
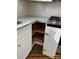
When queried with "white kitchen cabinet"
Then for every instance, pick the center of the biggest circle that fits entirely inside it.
(51, 41)
(24, 43)
(24, 30)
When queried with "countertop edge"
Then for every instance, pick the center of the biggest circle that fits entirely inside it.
(30, 22)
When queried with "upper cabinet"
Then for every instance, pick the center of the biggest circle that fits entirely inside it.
(41, 0)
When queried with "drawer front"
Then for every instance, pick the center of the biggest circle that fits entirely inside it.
(25, 33)
(24, 30)
(24, 46)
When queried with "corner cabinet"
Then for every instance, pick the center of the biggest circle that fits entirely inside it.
(24, 41)
(51, 41)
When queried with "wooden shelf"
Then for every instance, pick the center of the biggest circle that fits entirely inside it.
(38, 30)
(38, 27)
(38, 38)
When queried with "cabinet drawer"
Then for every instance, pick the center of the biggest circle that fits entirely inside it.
(21, 32)
(25, 33)
(24, 46)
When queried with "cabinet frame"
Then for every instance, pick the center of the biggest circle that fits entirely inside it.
(39, 28)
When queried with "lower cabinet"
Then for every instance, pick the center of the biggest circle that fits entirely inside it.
(47, 37)
(24, 44)
(51, 40)
(35, 33)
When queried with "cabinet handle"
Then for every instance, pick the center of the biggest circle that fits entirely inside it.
(19, 45)
(44, 49)
(46, 34)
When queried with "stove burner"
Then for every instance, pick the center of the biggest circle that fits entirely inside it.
(54, 20)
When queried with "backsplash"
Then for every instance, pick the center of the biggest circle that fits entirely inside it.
(39, 9)
(21, 8)
(44, 9)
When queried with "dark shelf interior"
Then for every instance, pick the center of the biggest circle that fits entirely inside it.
(38, 27)
(39, 37)
(38, 30)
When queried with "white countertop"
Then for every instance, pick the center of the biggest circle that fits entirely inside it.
(30, 20)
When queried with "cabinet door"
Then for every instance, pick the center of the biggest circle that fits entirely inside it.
(51, 41)
(24, 43)
(24, 46)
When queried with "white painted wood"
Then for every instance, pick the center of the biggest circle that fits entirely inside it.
(21, 32)
(24, 45)
(51, 40)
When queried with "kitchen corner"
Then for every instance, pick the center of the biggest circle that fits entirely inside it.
(38, 28)
(25, 20)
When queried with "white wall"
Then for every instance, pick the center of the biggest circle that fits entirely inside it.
(21, 8)
(44, 9)
(38, 9)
